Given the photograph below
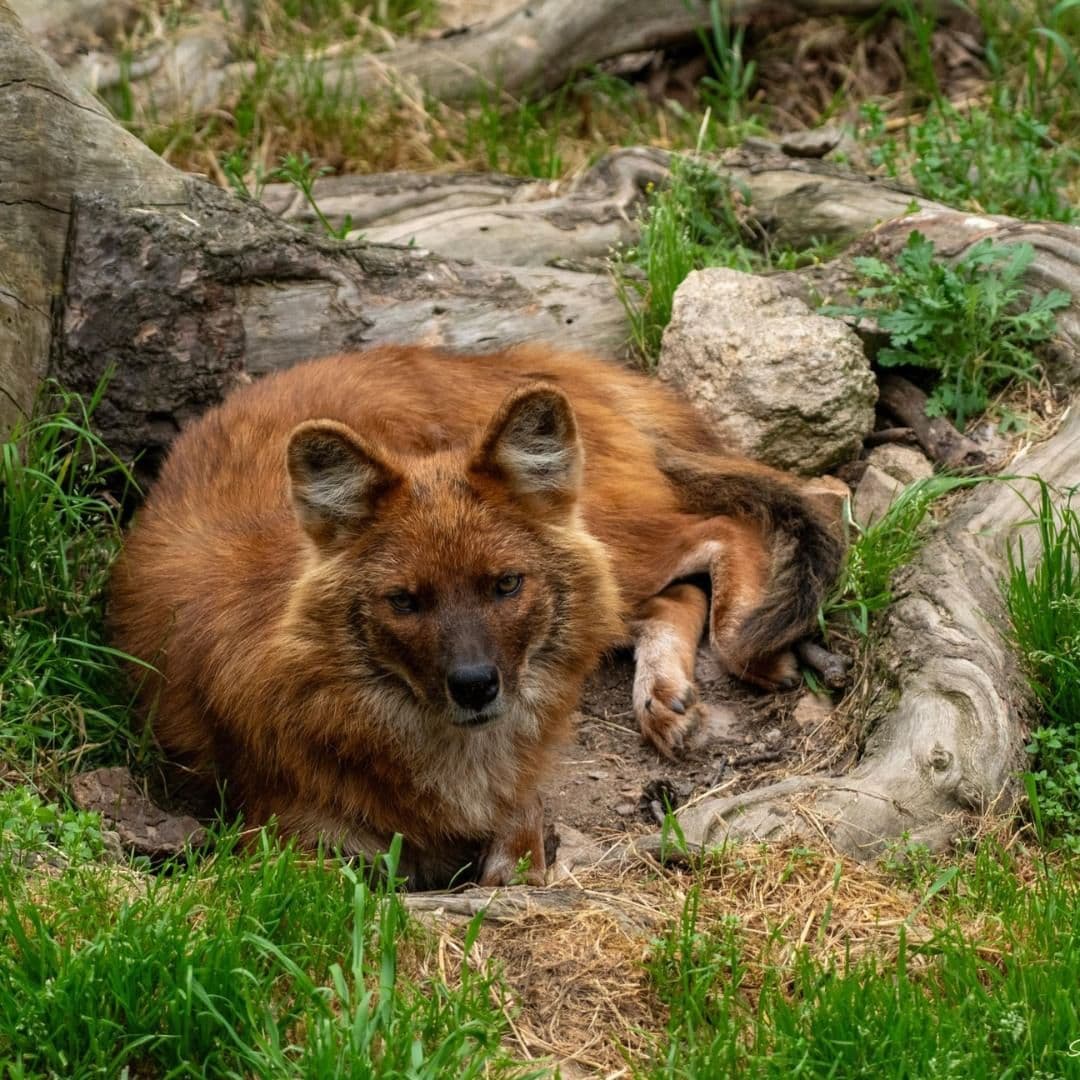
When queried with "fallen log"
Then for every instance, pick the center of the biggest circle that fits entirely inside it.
(186, 302)
(528, 51)
(795, 202)
(57, 140)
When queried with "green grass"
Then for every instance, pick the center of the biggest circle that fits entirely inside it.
(878, 549)
(969, 321)
(689, 224)
(996, 1004)
(1043, 602)
(725, 90)
(1031, 45)
(62, 696)
(252, 963)
(698, 219)
(997, 159)
(518, 137)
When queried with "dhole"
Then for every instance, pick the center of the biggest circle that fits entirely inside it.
(374, 584)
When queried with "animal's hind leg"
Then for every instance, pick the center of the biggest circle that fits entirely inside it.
(666, 630)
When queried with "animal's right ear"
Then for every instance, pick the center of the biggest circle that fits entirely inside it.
(336, 481)
(532, 446)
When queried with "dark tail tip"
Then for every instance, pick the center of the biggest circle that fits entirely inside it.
(806, 563)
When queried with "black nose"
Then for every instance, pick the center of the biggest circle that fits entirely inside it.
(475, 686)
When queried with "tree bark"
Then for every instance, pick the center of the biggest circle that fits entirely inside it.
(58, 141)
(186, 303)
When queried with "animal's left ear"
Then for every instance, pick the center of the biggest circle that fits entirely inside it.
(533, 447)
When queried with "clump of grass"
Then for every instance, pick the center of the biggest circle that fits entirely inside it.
(725, 91)
(967, 320)
(62, 691)
(1031, 45)
(333, 20)
(521, 138)
(691, 223)
(1043, 602)
(257, 963)
(699, 219)
(879, 549)
(998, 159)
(947, 1003)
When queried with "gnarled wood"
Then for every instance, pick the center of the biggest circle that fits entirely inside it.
(187, 304)
(796, 201)
(948, 740)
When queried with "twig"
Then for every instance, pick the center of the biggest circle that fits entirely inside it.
(832, 667)
(899, 435)
(936, 435)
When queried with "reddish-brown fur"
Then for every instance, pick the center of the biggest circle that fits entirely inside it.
(328, 550)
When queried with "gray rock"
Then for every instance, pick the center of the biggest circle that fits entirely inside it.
(781, 384)
(137, 824)
(811, 144)
(874, 495)
(903, 463)
(890, 470)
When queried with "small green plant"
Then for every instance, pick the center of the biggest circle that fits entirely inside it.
(520, 876)
(237, 167)
(689, 224)
(61, 690)
(299, 170)
(726, 89)
(1044, 609)
(909, 861)
(920, 22)
(967, 321)
(997, 159)
(31, 826)
(880, 548)
(521, 139)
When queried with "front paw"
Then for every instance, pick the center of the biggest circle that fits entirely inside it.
(515, 855)
(500, 871)
(667, 709)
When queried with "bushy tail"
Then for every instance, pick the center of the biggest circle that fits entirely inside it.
(806, 554)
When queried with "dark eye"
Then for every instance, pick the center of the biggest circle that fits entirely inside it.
(508, 584)
(403, 602)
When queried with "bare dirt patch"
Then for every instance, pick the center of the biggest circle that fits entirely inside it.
(610, 783)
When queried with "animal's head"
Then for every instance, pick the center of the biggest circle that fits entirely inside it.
(462, 580)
